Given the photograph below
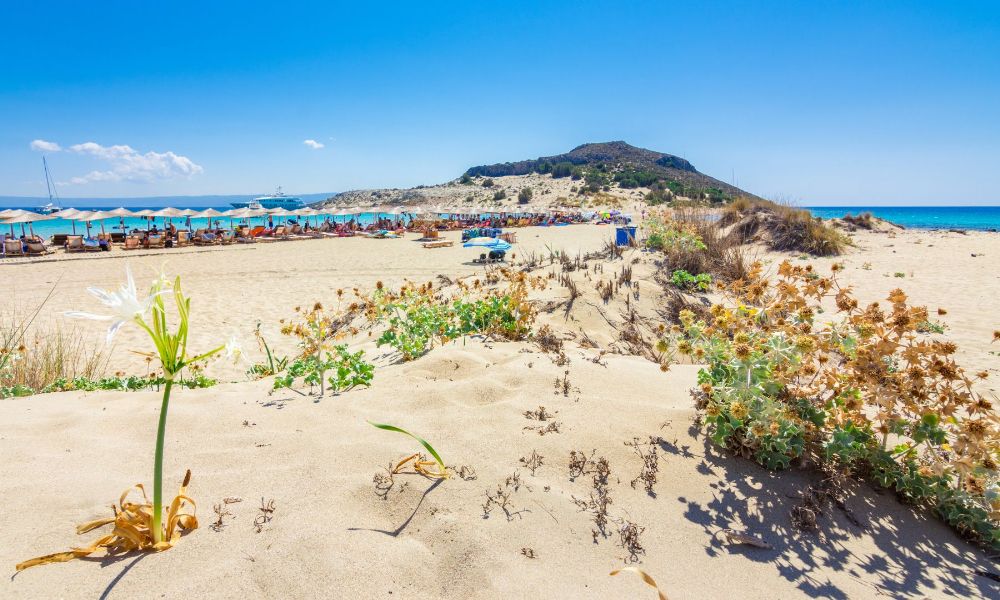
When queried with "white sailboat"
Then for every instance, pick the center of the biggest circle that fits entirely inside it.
(53, 205)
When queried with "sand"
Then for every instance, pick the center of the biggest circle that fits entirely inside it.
(69, 455)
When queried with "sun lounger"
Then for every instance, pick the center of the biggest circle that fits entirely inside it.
(155, 241)
(91, 245)
(36, 248)
(203, 238)
(227, 238)
(132, 242)
(12, 247)
(183, 239)
(74, 243)
(439, 244)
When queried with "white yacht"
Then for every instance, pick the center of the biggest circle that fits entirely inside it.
(276, 200)
(53, 205)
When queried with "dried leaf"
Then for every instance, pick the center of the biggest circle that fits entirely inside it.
(132, 528)
(645, 577)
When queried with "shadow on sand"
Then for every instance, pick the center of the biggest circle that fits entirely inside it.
(904, 542)
(395, 532)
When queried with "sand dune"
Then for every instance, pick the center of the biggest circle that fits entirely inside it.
(68, 456)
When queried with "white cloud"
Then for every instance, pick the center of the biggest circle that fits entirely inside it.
(313, 144)
(43, 146)
(128, 164)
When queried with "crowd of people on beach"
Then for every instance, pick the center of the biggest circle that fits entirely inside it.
(170, 236)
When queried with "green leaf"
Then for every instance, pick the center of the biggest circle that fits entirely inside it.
(422, 441)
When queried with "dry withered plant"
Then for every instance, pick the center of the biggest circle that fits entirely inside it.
(532, 462)
(650, 463)
(501, 498)
(538, 415)
(264, 514)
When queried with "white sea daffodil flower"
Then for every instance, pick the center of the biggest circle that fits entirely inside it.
(124, 303)
(234, 350)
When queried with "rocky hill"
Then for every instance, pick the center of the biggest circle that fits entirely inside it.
(591, 175)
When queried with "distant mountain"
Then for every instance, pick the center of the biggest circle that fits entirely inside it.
(621, 164)
(147, 201)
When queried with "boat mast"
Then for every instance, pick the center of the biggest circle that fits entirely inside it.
(48, 180)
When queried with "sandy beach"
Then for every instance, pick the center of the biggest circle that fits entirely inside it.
(70, 454)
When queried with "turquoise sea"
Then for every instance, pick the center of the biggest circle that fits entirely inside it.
(922, 217)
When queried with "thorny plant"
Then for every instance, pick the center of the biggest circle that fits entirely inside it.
(866, 394)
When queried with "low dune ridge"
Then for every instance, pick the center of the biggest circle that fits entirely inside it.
(333, 531)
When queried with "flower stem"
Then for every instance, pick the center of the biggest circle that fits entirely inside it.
(158, 466)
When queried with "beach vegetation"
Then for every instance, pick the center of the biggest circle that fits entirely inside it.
(317, 331)
(417, 317)
(272, 363)
(465, 179)
(141, 526)
(487, 183)
(861, 395)
(784, 228)
(349, 370)
(499, 195)
(416, 460)
(687, 282)
(524, 196)
(32, 360)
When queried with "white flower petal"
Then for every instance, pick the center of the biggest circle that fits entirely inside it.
(84, 315)
(129, 287)
(105, 297)
(114, 329)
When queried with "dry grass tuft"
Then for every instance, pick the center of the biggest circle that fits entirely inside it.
(783, 228)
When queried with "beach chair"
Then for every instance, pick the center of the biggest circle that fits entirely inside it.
(74, 243)
(36, 248)
(204, 238)
(439, 244)
(183, 239)
(280, 233)
(132, 242)
(155, 241)
(12, 247)
(91, 245)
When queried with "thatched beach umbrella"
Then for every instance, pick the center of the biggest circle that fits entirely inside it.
(145, 213)
(25, 216)
(208, 213)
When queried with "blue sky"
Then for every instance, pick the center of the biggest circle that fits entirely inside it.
(814, 102)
